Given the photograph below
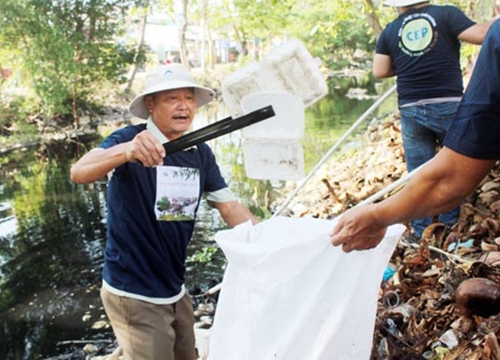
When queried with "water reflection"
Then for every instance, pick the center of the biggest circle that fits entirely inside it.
(50, 254)
(52, 232)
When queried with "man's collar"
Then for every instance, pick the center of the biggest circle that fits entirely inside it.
(151, 126)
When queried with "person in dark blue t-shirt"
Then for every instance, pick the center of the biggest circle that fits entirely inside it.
(422, 48)
(470, 149)
(152, 200)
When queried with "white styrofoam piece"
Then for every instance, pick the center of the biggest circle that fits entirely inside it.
(296, 71)
(240, 83)
(273, 159)
(287, 68)
(288, 123)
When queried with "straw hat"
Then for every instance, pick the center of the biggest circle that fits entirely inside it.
(403, 3)
(169, 77)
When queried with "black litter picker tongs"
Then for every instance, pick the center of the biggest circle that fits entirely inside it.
(219, 128)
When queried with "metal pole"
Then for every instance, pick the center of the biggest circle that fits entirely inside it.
(402, 180)
(334, 148)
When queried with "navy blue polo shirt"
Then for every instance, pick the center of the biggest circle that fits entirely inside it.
(145, 256)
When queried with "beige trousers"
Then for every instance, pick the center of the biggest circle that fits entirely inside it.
(147, 331)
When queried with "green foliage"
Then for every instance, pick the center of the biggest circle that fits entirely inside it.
(70, 52)
(164, 204)
(67, 49)
(245, 21)
(333, 31)
(15, 120)
(204, 256)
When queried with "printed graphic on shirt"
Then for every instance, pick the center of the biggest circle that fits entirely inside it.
(417, 34)
(177, 193)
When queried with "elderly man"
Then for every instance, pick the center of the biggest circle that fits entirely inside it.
(471, 148)
(152, 200)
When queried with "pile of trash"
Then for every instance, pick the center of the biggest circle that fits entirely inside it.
(440, 296)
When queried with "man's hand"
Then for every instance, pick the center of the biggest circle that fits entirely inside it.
(146, 149)
(357, 229)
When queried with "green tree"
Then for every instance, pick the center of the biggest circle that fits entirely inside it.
(140, 54)
(333, 30)
(246, 21)
(70, 51)
(164, 204)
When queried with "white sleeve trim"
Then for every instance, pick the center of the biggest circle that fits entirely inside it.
(222, 195)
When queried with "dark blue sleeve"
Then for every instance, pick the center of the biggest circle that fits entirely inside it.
(381, 47)
(121, 135)
(476, 129)
(457, 20)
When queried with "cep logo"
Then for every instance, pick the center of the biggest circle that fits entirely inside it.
(417, 35)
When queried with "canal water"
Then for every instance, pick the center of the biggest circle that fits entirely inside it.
(52, 232)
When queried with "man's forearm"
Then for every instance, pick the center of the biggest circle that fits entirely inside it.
(234, 213)
(97, 163)
(438, 187)
(408, 204)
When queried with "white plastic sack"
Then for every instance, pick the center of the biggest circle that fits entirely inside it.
(288, 294)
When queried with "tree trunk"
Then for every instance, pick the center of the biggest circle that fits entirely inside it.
(211, 50)
(204, 38)
(139, 47)
(182, 35)
(372, 17)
